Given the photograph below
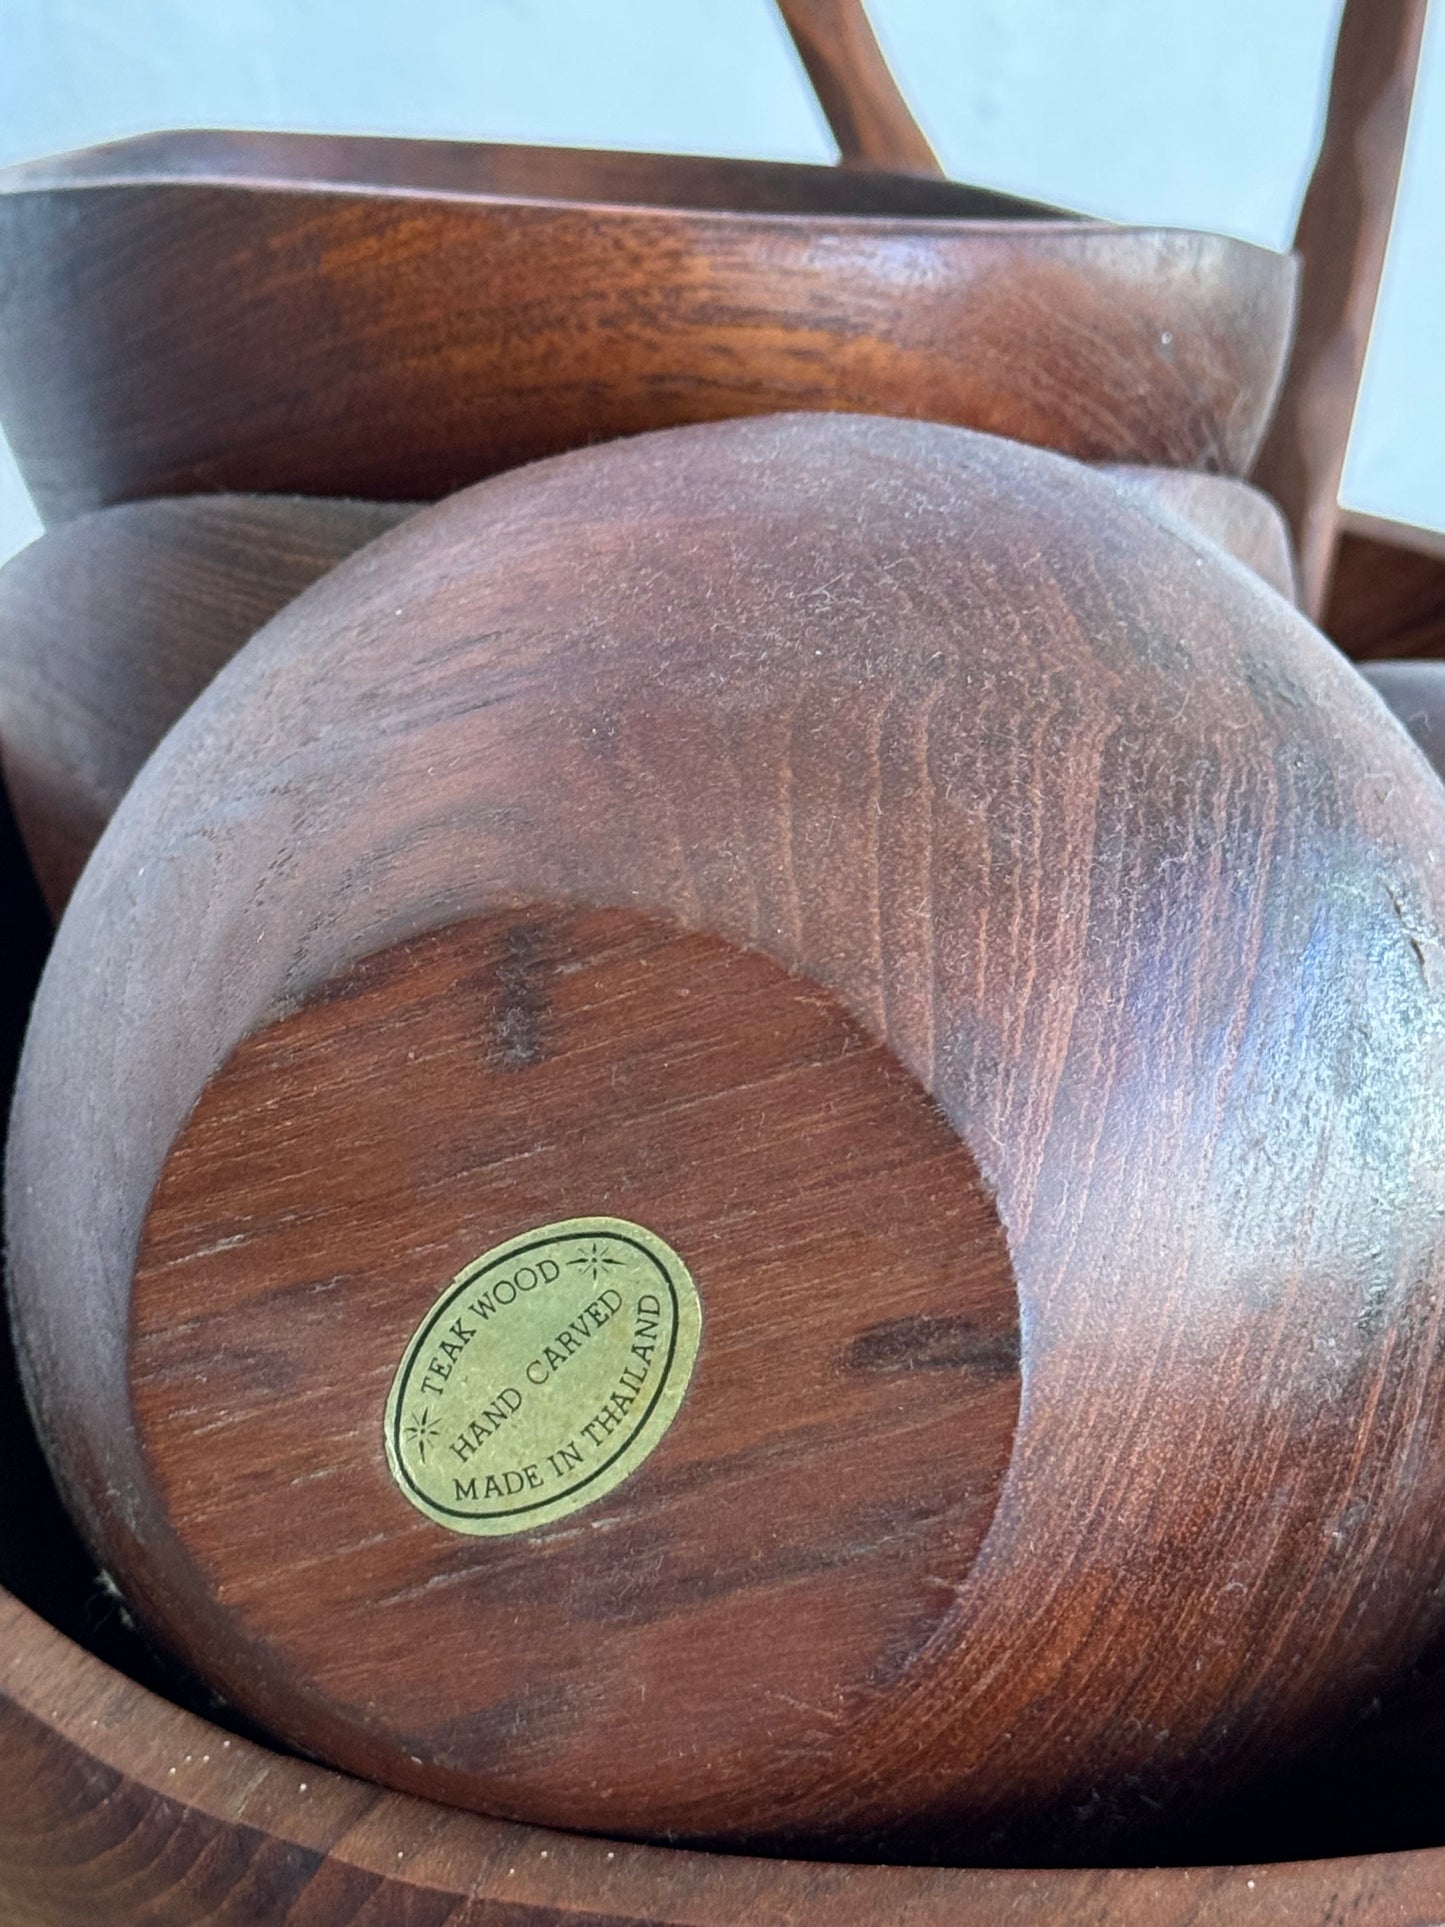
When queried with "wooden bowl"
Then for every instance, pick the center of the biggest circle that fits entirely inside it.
(944, 905)
(394, 319)
(111, 625)
(117, 1805)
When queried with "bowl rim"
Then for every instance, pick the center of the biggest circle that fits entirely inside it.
(264, 160)
(95, 1716)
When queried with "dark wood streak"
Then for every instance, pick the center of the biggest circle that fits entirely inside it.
(522, 1000)
(1115, 866)
(932, 1345)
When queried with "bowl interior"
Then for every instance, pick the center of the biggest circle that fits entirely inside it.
(489, 170)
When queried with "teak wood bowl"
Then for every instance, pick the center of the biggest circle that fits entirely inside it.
(112, 624)
(393, 319)
(530, 867)
(118, 1806)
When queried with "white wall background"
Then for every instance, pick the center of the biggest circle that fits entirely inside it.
(1193, 112)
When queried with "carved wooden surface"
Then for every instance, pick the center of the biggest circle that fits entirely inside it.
(844, 1449)
(117, 1806)
(220, 312)
(1126, 856)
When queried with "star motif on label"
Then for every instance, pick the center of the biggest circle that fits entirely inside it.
(420, 1429)
(595, 1262)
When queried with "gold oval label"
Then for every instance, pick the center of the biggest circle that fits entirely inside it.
(543, 1376)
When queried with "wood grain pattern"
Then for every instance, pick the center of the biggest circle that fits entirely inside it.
(794, 1537)
(116, 1805)
(222, 312)
(901, 708)
(868, 116)
(110, 625)
(113, 624)
(1344, 228)
(1387, 598)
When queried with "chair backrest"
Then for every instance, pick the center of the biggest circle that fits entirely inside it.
(1344, 227)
